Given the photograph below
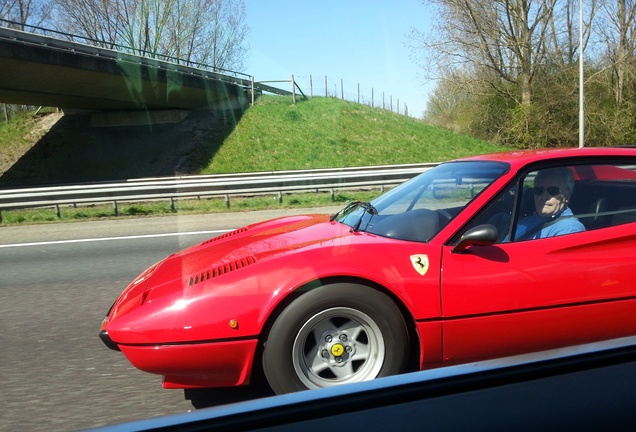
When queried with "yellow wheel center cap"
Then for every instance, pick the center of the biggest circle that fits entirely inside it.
(337, 350)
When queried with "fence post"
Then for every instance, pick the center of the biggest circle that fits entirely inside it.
(341, 89)
(326, 88)
(311, 86)
(252, 90)
(293, 89)
(358, 92)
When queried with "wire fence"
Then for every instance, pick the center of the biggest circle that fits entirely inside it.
(351, 91)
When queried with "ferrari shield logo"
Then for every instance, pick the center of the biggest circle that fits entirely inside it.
(420, 263)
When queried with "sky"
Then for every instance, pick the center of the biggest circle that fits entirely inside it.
(351, 42)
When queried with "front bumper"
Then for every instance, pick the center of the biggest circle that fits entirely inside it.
(195, 364)
(103, 335)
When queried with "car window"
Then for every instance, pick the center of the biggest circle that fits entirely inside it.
(498, 212)
(562, 200)
(605, 195)
(418, 209)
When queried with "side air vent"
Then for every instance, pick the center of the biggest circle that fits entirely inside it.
(221, 270)
(226, 235)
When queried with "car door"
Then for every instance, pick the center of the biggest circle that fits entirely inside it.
(524, 296)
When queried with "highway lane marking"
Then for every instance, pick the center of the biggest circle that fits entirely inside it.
(135, 237)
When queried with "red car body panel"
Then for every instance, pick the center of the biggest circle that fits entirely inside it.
(252, 298)
(493, 336)
(198, 316)
(214, 364)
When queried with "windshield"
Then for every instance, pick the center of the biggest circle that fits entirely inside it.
(419, 208)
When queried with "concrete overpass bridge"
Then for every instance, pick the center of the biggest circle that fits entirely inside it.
(132, 116)
(47, 71)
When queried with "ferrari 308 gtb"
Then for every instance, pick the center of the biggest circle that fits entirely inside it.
(477, 258)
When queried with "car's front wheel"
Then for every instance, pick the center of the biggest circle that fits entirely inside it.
(335, 334)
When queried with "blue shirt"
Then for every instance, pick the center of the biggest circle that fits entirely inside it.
(565, 223)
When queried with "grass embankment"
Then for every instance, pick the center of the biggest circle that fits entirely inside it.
(277, 135)
(326, 133)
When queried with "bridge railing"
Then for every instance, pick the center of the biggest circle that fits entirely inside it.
(222, 185)
(105, 48)
(108, 50)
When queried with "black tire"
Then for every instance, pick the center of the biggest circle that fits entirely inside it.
(209, 397)
(335, 334)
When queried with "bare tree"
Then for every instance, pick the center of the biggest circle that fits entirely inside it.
(564, 32)
(211, 32)
(505, 38)
(97, 20)
(143, 24)
(619, 35)
(228, 17)
(25, 12)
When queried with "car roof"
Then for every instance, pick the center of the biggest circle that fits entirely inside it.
(523, 157)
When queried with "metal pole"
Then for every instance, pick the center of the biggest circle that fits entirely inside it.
(581, 81)
(293, 83)
(252, 90)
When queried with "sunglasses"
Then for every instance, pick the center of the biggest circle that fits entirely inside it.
(552, 190)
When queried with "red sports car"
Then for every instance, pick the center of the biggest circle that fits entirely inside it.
(476, 258)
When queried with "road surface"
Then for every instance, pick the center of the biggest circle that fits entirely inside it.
(56, 283)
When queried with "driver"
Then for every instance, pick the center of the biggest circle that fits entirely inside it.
(552, 190)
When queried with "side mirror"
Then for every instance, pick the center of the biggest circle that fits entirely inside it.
(481, 235)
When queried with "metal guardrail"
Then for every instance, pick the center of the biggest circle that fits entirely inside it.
(275, 182)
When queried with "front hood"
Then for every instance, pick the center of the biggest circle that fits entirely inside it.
(225, 254)
(249, 245)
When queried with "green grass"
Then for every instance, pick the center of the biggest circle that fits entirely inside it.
(321, 132)
(17, 136)
(13, 139)
(276, 135)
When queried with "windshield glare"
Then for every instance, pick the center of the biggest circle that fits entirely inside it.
(419, 208)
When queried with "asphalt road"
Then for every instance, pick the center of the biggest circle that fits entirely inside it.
(56, 283)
